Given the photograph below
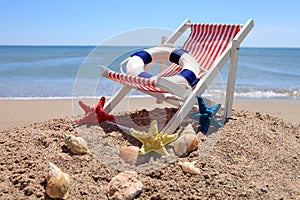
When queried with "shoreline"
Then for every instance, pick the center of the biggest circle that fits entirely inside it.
(18, 112)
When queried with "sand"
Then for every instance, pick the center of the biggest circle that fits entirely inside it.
(19, 112)
(255, 156)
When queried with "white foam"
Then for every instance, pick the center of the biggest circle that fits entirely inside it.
(261, 94)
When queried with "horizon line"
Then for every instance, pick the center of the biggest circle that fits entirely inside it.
(93, 45)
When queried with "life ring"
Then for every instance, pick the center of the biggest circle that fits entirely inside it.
(137, 64)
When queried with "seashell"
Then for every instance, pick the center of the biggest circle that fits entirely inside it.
(129, 154)
(58, 182)
(188, 130)
(77, 145)
(185, 144)
(189, 167)
(124, 186)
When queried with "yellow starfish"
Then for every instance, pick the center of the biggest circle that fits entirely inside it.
(153, 140)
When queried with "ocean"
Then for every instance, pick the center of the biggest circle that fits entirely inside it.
(72, 71)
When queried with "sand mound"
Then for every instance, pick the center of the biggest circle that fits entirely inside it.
(254, 156)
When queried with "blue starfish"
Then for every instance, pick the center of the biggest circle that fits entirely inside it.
(206, 115)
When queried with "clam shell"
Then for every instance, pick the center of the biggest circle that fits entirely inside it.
(185, 144)
(77, 145)
(189, 167)
(129, 154)
(58, 182)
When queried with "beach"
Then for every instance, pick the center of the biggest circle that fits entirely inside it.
(19, 112)
(61, 63)
(255, 155)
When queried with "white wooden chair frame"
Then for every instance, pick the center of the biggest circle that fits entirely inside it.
(189, 97)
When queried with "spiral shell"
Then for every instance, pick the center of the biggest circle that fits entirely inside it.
(77, 145)
(188, 130)
(185, 144)
(58, 182)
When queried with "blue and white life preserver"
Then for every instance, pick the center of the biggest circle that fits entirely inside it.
(137, 64)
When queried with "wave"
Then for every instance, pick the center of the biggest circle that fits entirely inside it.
(212, 94)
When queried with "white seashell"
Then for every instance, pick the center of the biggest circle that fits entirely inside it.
(124, 186)
(77, 145)
(185, 144)
(189, 167)
(188, 130)
(129, 154)
(58, 182)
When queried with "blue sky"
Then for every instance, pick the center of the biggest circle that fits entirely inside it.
(89, 22)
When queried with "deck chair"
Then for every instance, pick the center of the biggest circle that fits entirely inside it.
(211, 45)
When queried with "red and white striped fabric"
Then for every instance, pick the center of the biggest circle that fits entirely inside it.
(206, 42)
(138, 82)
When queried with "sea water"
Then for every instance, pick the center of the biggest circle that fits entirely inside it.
(67, 71)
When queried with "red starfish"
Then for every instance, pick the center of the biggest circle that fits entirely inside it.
(94, 116)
